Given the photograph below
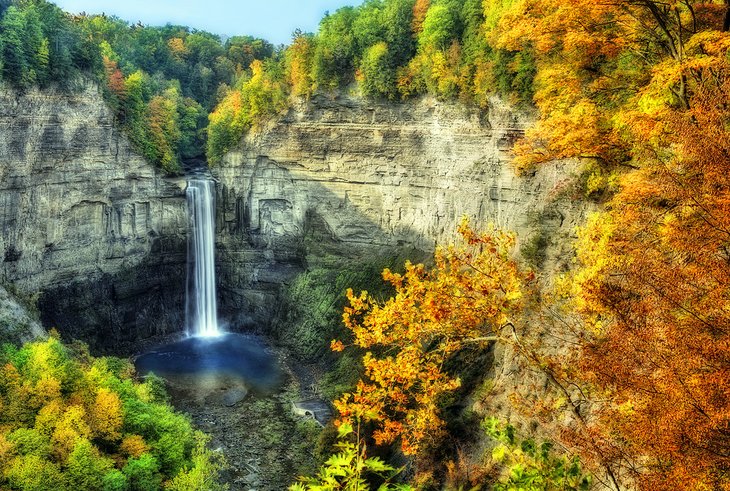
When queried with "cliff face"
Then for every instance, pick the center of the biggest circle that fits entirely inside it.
(87, 223)
(101, 236)
(365, 177)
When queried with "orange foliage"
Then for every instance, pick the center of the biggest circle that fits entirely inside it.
(420, 9)
(114, 78)
(470, 296)
(593, 60)
(654, 283)
(133, 446)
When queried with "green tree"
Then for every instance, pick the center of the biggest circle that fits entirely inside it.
(143, 473)
(335, 52)
(439, 27)
(203, 474)
(29, 441)
(34, 473)
(86, 468)
(114, 480)
(369, 27)
(349, 469)
(378, 74)
(531, 466)
(21, 41)
(398, 19)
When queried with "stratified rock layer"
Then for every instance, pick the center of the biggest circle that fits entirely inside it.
(365, 176)
(87, 222)
(101, 235)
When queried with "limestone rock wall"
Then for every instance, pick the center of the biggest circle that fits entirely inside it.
(87, 223)
(101, 237)
(371, 176)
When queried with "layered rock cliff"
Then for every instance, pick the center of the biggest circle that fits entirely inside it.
(372, 176)
(86, 223)
(100, 235)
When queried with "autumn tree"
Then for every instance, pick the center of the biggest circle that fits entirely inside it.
(656, 288)
(69, 420)
(261, 96)
(299, 59)
(593, 60)
(637, 85)
(163, 117)
(472, 295)
(420, 8)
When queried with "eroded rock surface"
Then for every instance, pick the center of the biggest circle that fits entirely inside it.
(87, 222)
(368, 176)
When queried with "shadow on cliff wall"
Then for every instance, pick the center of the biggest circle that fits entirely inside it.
(265, 240)
(114, 313)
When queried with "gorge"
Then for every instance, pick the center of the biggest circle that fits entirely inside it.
(333, 181)
(434, 245)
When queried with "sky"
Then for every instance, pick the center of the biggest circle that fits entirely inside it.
(273, 20)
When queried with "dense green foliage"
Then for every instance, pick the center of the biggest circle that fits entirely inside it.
(161, 82)
(71, 421)
(527, 465)
(40, 44)
(392, 49)
(349, 469)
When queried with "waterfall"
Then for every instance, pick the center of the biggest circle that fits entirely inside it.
(200, 303)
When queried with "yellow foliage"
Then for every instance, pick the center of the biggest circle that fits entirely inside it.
(133, 446)
(71, 426)
(178, 48)
(6, 450)
(106, 416)
(49, 416)
(472, 295)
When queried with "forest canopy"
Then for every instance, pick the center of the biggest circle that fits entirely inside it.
(72, 421)
(160, 82)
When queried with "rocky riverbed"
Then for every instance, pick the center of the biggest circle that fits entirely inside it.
(265, 443)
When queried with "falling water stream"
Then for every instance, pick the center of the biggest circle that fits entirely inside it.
(200, 303)
(209, 358)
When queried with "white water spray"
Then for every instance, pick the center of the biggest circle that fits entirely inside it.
(200, 303)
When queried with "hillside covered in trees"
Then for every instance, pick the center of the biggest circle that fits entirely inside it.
(161, 82)
(71, 421)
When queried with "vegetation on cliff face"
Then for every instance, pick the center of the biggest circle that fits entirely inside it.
(71, 421)
(161, 82)
(391, 49)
